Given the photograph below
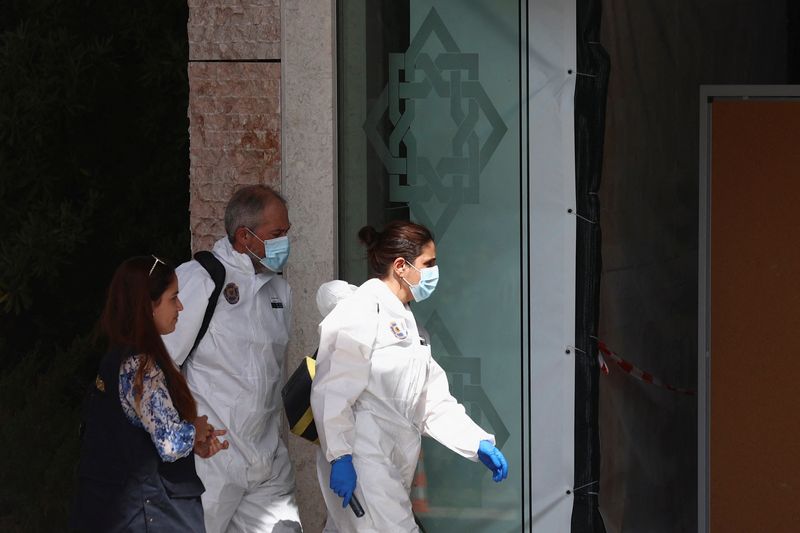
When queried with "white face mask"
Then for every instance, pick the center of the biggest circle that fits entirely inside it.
(428, 278)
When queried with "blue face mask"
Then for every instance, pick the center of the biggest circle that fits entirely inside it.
(276, 252)
(428, 278)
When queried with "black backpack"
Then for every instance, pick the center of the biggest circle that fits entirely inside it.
(296, 396)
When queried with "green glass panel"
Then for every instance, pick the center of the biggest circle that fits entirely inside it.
(429, 129)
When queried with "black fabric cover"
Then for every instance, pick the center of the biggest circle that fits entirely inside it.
(590, 102)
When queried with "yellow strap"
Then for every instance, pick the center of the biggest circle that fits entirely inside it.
(312, 367)
(303, 423)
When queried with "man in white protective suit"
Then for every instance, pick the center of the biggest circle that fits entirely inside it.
(236, 371)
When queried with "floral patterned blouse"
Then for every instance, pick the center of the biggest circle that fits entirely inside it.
(173, 437)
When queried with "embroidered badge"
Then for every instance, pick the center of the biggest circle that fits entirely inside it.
(276, 303)
(398, 330)
(100, 384)
(231, 293)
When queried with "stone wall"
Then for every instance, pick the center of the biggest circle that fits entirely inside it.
(234, 131)
(234, 106)
(234, 29)
(261, 110)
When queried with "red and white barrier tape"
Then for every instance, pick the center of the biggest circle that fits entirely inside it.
(633, 370)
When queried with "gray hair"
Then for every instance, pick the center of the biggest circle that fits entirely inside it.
(246, 207)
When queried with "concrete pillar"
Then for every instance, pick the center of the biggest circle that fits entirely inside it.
(309, 172)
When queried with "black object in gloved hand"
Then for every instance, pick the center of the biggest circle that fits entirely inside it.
(355, 505)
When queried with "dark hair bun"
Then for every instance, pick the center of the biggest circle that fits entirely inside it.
(368, 236)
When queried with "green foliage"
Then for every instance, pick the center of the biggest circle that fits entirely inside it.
(40, 408)
(94, 168)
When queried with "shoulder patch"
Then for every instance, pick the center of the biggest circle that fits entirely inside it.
(231, 293)
(398, 329)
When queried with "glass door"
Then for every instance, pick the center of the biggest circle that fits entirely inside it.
(431, 128)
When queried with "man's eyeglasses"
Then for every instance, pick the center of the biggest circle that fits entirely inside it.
(157, 261)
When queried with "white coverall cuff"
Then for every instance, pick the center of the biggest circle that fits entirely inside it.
(332, 455)
(474, 458)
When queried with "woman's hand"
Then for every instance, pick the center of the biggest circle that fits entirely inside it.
(206, 443)
(202, 429)
(212, 445)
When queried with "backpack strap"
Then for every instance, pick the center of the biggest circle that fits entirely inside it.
(217, 272)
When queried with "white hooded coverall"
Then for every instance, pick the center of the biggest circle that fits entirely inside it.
(235, 374)
(376, 391)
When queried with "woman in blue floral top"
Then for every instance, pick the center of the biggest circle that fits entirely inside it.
(136, 471)
(154, 412)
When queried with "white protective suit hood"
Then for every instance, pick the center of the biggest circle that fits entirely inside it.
(331, 293)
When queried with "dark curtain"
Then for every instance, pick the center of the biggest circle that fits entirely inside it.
(590, 102)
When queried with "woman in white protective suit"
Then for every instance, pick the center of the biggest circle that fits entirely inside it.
(377, 389)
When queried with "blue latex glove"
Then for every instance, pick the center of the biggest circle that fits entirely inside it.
(493, 459)
(343, 478)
